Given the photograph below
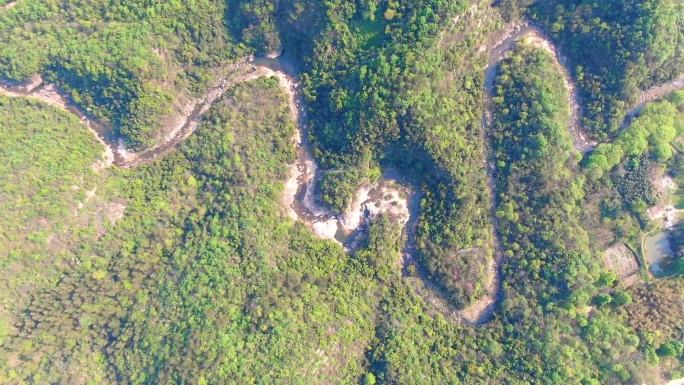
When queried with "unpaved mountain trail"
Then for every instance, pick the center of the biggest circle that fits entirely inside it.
(660, 91)
(537, 37)
(482, 310)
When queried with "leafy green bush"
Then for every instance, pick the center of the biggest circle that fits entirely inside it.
(652, 132)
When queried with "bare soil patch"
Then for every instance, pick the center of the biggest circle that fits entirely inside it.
(622, 261)
(9, 5)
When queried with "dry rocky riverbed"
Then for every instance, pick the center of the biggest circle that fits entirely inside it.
(386, 196)
(482, 310)
(301, 203)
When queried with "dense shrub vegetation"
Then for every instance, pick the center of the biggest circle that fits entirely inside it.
(654, 313)
(650, 133)
(549, 271)
(124, 63)
(616, 48)
(45, 172)
(379, 99)
(676, 238)
(216, 269)
(537, 195)
(620, 174)
(188, 271)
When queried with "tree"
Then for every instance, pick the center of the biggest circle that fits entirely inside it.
(369, 379)
(621, 298)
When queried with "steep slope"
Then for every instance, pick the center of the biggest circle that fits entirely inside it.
(133, 66)
(617, 49)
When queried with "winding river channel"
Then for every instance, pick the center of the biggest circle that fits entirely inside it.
(391, 195)
(482, 310)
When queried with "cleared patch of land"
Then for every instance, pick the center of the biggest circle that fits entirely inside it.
(622, 261)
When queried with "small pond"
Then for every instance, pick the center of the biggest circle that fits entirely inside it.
(657, 251)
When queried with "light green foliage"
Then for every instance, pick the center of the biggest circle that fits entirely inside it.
(548, 271)
(393, 94)
(204, 263)
(45, 171)
(446, 103)
(605, 157)
(653, 132)
(205, 279)
(617, 47)
(52, 202)
(125, 63)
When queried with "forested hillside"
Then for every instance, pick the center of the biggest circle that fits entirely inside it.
(188, 272)
(550, 276)
(131, 65)
(41, 225)
(235, 254)
(616, 49)
(368, 108)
